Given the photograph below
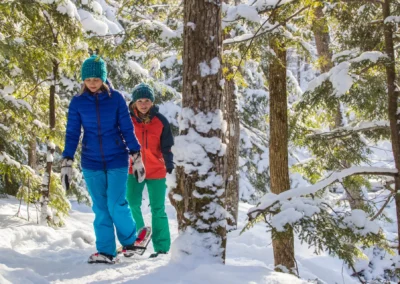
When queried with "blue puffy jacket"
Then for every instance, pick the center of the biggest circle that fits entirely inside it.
(108, 131)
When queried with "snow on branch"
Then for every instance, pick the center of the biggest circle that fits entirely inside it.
(234, 13)
(8, 160)
(256, 135)
(268, 5)
(270, 199)
(250, 12)
(6, 95)
(166, 32)
(264, 29)
(340, 76)
(348, 130)
(392, 19)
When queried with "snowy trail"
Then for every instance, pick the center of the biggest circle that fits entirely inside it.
(36, 254)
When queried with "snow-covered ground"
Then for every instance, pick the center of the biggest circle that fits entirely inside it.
(30, 253)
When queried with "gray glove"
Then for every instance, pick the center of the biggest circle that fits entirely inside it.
(137, 166)
(66, 172)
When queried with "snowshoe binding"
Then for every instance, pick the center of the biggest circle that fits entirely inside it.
(140, 245)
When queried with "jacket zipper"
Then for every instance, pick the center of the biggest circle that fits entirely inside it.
(99, 132)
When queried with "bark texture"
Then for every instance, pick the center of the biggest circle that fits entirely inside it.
(32, 154)
(232, 153)
(45, 217)
(201, 205)
(232, 137)
(278, 149)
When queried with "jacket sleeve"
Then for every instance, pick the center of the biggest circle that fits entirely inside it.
(73, 131)
(126, 125)
(166, 142)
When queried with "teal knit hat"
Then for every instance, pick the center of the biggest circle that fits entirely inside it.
(94, 67)
(142, 91)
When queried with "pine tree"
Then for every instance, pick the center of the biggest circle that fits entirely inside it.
(322, 41)
(32, 58)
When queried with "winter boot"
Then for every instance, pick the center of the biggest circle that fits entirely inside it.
(154, 255)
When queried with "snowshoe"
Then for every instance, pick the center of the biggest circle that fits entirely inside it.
(99, 257)
(140, 245)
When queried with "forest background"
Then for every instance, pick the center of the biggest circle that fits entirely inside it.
(290, 106)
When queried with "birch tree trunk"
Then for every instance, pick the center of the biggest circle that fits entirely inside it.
(45, 215)
(199, 197)
(283, 245)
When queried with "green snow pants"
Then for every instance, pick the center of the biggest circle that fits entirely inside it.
(159, 221)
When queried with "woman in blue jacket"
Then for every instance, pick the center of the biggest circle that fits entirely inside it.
(108, 140)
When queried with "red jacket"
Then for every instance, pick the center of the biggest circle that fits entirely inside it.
(156, 140)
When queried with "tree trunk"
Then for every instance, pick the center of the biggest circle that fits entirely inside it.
(46, 182)
(283, 245)
(393, 97)
(52, 104)
(45, 217)
(32, 157)
(232, 137)
(322, 40)
(199, 195)
(232, 153)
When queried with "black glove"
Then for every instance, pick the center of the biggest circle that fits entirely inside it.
(137, 166)
(66, 172)
(169, 170)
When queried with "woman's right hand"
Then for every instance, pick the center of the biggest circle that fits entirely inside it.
(66, 172)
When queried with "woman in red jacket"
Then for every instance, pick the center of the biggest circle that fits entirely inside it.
(154, 134)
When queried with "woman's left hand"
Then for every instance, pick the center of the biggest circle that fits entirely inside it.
(137, 166)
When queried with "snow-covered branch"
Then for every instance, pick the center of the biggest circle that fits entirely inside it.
(258, 33)
(360, 1)
(341, 77)
(348, 130)
(270, 199)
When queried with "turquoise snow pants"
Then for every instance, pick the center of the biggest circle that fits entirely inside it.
(108, 192)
